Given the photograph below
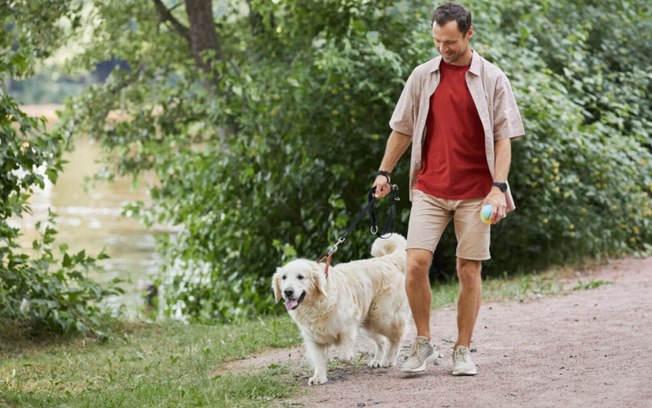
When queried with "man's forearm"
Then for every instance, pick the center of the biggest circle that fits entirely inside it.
(397, 144)
(503, 159)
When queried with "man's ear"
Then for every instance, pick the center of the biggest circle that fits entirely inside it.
(276, 285)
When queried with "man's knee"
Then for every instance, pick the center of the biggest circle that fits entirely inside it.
(469, 272)
(418, 263)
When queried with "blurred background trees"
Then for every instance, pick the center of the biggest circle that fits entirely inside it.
(44, 286)
(264, 122)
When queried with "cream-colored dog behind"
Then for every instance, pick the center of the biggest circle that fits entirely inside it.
(329, 310)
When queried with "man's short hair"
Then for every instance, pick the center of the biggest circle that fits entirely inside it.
(452, 12)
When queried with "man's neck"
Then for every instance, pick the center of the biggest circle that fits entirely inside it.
(465, 59)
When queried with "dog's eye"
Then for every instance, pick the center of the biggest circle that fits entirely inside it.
(284, 277)
(299, 277)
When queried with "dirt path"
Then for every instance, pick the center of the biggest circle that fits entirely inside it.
(590, 348)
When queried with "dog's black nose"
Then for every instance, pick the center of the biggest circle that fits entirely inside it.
(288, 293)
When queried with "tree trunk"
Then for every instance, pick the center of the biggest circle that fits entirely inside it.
(203, 35)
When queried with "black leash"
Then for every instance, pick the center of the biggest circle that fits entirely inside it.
(370, 208)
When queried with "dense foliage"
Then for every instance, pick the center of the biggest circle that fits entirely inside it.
(266, 136)
(582, 176)
(46, 286)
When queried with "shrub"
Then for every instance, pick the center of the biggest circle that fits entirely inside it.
(273, 159)
(44, 286)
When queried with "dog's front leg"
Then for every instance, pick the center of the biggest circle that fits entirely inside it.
(318, 358)
(347, 346)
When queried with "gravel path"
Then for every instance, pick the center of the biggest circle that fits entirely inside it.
(589, 348)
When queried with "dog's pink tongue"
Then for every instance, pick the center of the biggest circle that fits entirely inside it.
(291, 304)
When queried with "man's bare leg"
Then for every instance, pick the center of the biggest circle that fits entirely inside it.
(469, 300)
(417, 286)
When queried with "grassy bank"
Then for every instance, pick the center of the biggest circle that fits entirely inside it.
(172, 365)
(169, 365)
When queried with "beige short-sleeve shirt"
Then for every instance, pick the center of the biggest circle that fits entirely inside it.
(493, 98)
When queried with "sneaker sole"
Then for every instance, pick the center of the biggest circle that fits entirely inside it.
(434, 358)
(465, 373)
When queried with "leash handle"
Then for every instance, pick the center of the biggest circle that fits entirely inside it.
(389, 221)
(387, 227)
(372, 214)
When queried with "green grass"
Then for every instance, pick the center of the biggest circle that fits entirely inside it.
(521, 288)
(168, 365)
(172, 365)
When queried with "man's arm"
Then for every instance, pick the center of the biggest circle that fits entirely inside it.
(503, 159)
(397, 144)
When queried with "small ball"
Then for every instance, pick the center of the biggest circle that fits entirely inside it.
(485, 214)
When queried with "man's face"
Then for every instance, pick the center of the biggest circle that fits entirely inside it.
(451, 43)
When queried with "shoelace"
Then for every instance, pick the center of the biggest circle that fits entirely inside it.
(461, 352)
(415, 348)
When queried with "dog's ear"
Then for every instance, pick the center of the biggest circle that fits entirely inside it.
(276, 285)
(318, 278)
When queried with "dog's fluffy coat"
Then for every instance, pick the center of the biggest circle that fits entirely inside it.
(329, 310)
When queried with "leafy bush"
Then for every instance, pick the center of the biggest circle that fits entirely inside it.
(269, 155)
(45, 287)
(583, 174)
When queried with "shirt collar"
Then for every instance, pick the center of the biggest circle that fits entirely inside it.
(474, 68)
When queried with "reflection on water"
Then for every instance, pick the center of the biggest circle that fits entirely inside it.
(89, 217)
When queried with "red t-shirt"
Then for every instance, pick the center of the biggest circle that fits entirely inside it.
(454, 160)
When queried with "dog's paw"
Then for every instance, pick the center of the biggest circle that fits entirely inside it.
(316, 380)
(379, 364)
(386, 364)
(374, 364)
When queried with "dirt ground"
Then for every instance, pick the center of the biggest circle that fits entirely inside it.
(589, 348)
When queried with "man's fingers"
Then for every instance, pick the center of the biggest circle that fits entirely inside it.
(381, 190)
(497, 216)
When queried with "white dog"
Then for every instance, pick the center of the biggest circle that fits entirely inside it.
(329, 310)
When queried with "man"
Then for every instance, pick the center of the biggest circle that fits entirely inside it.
(459, 113)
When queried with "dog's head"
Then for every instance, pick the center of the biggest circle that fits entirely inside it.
(298, 281)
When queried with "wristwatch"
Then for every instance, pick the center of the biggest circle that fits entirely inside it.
(501, 186)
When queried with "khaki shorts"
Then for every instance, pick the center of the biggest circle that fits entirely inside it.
(430, 216)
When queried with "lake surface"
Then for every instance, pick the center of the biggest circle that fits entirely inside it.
(89, 217)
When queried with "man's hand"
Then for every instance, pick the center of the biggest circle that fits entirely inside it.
(382, 186)
(498, 205)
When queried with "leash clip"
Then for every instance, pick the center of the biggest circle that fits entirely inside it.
(334, 247)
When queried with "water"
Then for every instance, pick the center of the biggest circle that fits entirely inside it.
(89, 217)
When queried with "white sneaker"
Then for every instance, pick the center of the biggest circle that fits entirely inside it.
(462, 363)
(421, 353)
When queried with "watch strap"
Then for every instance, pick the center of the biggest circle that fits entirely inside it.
(384, 173)
(502, 186)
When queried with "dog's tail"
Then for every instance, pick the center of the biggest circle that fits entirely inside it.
(386, 246)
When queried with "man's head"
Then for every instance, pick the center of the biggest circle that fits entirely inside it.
(452, 31)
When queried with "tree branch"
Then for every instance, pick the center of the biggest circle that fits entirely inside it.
(166, 16)
(256, 20)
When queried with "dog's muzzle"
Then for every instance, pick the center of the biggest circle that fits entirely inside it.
(290, 302)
